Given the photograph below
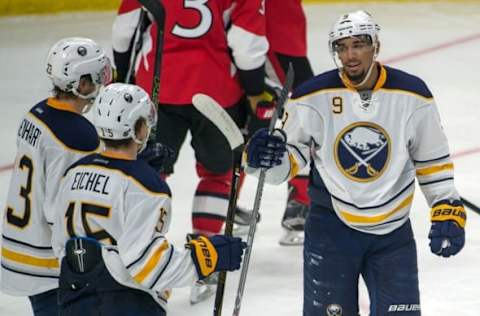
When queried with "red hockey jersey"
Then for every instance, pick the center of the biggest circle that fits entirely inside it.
(201, 36)
(286, 27)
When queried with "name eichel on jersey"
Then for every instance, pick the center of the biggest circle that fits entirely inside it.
(90, 181)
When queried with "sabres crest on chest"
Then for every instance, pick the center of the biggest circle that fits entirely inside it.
(362, 151)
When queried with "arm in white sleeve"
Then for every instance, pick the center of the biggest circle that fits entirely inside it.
(150, 259)
(430, 153)
(299, 123)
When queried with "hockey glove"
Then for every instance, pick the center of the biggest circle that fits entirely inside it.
(216, 253)
(447, 235)
(265, 150)
(262, 107)
(157, 155)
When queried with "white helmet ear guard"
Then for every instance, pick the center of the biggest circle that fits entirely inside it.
(72, 58)
(117, 109)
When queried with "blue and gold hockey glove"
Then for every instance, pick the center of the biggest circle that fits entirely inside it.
(447, 234)
(265, 150)
(216, 253)
(157, 155)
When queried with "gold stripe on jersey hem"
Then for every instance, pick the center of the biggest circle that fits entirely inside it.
(151, 263)
(434, 169)
(11, 255)
(59, 141)
(351, 218)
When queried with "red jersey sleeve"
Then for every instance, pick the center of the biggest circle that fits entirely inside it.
(247, 34)
(286, 27)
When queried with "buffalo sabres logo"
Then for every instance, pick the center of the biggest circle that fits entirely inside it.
(362, 151)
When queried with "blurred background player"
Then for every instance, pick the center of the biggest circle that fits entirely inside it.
(369, 131)
(200, 39)
(286, 27)
(113, 214)
(51, 136)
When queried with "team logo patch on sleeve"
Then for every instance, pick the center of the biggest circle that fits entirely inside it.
(362, 151)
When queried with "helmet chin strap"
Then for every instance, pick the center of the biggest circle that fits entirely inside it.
(369, 72)
(143, 143)
(90, 97)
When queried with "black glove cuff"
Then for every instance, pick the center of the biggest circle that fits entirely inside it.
(253, 81)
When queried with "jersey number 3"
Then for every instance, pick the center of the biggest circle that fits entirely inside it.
(22, 221)
(201, 28)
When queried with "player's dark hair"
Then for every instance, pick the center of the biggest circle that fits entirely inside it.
(61, 94)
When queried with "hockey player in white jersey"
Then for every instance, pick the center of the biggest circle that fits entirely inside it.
(368, 131)
(113, 214)
(51, 136)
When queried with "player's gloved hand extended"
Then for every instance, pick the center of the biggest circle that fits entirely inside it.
(216, 253)
(157, 155)
(447, 235)
(262, 107)
(265, 150)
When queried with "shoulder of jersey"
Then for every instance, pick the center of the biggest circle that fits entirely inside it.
(396, 80)
(138, 170)
(403, 81)
(72, 129)
(324, 81)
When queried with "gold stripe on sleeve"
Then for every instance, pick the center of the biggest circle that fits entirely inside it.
(51, 263)
(434, 169)
(151, 264)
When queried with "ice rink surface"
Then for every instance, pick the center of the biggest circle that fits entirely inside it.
(438, 42)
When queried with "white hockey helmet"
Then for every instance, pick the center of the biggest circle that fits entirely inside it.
(117, 109)
(353, 24)
(71, 58)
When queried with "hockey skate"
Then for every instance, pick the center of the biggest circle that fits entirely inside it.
(203, 289)
(294, 223)
(241, 222)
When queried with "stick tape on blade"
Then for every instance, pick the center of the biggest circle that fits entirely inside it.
(222, 120)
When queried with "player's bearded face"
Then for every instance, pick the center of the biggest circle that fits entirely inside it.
(356, 55)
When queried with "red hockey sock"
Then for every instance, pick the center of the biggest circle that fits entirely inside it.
(210, 202)
(300, 192)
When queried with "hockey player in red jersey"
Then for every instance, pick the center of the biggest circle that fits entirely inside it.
(213, 47)
(196, 59)
(286, 28)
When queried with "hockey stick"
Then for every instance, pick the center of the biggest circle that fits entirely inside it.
(137, 45)
(470, 205)
(220, 118)
(155, 7)
(282, 99)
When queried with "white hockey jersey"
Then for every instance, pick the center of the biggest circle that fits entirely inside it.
(127, 207)
(50, 138)
(367, 148)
